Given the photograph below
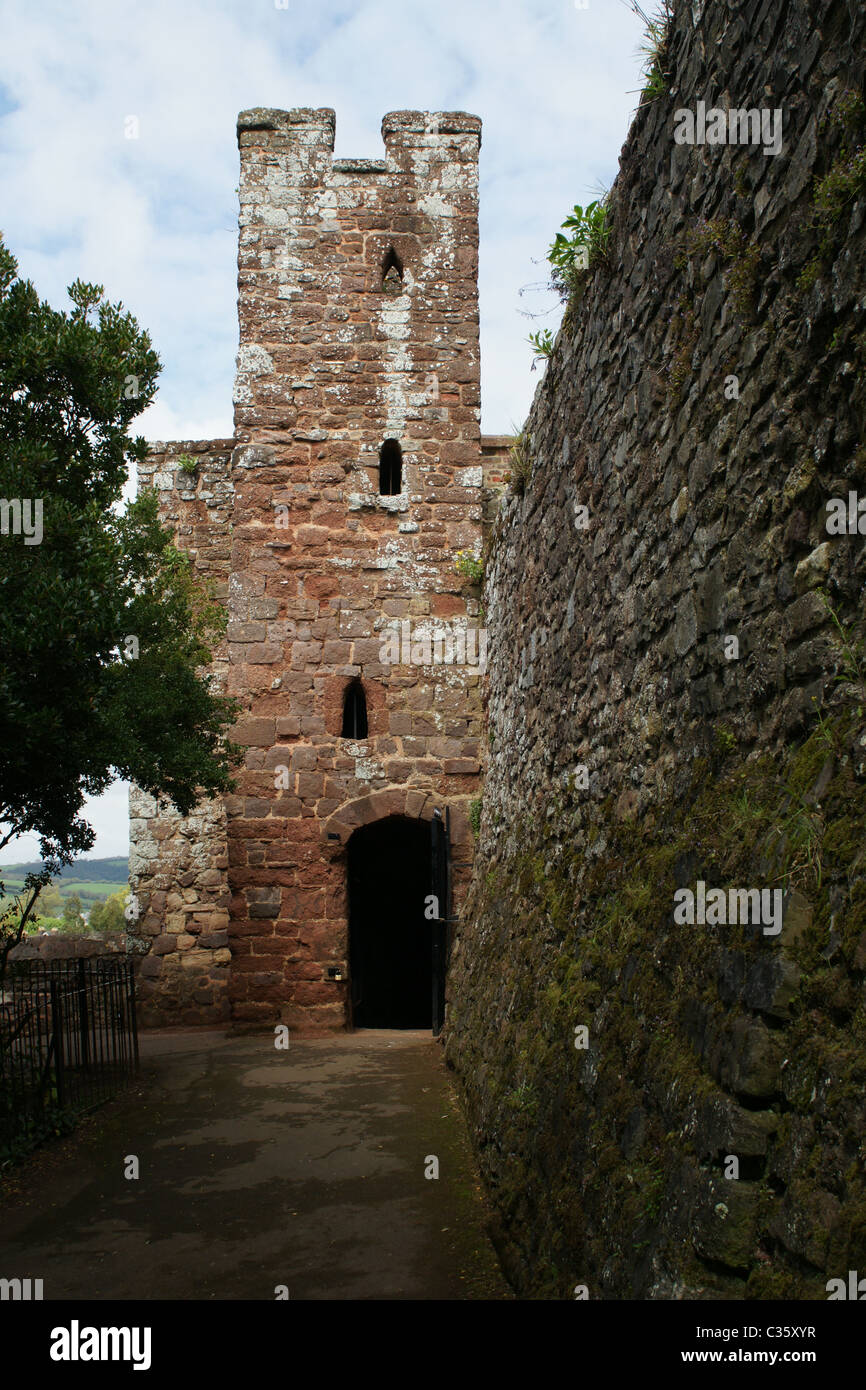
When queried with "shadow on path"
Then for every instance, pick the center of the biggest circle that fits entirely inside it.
(261, 1168)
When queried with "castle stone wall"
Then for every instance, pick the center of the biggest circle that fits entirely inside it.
(358, 316)
(672, 702)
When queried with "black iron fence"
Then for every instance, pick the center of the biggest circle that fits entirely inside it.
(68, 1039)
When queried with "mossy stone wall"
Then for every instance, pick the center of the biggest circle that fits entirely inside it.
(634, 749)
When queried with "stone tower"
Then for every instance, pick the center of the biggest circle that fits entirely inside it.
(330, 524)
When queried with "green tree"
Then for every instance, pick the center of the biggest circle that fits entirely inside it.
(103, 629)
(73, 917)
(50, 903)
(108, 915)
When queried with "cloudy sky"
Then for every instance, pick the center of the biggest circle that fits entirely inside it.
(154, 218)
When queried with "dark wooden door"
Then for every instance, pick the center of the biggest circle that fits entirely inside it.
(440, 847)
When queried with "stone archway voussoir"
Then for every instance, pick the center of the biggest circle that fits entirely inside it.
(404, 801)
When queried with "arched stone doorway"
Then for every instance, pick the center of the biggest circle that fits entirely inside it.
(390, 939)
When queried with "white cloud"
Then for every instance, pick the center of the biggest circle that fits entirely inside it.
(154, 219)
(109, 816)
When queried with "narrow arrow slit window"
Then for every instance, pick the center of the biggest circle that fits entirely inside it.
(390, 469)
(354, 712)
(392, 272)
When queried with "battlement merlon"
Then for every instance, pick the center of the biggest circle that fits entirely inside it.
(426, 127)
(307, 135)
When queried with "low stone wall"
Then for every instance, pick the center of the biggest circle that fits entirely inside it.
(178, 866)
(60, 946)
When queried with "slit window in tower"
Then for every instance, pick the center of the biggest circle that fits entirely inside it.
(390, 469)
(392, 272)
(354, 712)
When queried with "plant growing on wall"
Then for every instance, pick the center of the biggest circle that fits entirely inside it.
(542, 343)
(585, 246)
(520, 456)
(654, 50)
(469, 566)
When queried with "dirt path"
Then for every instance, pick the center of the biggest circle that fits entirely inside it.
(260, 1168)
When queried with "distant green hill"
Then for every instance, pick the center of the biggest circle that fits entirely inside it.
(91, 879)
(82, 871)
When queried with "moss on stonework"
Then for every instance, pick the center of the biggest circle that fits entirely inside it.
(600, 1146)
(835, 193)
(725, 238)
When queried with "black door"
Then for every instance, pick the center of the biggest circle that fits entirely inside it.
(441, 890)
(389, 935)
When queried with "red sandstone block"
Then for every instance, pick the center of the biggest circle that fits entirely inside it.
(313, 536)
(415, 802)
(302, 904)
(323, 873)
(397, 770)
(307, 971)
(287, 934)
(425, 769)
(305, 831)
(243, 926)
(252, 830)
(445, 748)
(447, 605)
(239, 877)
(367, 650)
(306, 653)
(459, 767)
(310, 785)
(460, 831)
(270, 948)
(278, 756)
(264, 980)
(244, 966)
(311, 992)
(263, 653)
(307, 932)
(282, 855)
(337, 653)
(274, 875)
(414, 747)
(258, 733)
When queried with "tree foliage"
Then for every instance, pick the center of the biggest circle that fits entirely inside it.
(108, 916)
(103, 627)
(73, 917)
